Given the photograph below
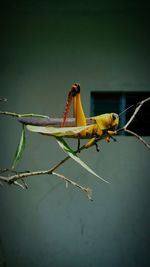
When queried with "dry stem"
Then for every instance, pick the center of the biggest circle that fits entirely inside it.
(13, 179)
(125, 128)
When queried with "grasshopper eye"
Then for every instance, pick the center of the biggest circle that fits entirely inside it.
(114, 116)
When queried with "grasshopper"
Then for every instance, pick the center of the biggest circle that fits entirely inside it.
(94, 128)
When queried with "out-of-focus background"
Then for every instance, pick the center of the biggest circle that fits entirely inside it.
(45, 47)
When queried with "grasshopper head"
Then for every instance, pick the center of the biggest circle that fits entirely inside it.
(108, 121)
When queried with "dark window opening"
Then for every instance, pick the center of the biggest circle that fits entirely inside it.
(107, 102)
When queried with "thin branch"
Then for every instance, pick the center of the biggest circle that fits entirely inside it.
(138, 137)
(136, 111)
(139, 105)
(13, 179)
(24, 184)
(20, 185)
(7, 113)
(59, 164)
(86, 190)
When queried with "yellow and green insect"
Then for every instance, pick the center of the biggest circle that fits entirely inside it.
(79, 127)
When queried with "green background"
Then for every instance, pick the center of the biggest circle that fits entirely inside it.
(45, 47)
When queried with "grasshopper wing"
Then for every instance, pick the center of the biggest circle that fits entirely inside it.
(71, 132)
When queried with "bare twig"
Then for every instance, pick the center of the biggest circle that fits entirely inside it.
(13, 179)
(19, 184)
(138, 137)
(67, 180)
(7, 113)
(140, 104)
(60, 163)
(125, 128)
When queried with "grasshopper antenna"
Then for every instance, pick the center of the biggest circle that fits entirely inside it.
(134, 105)
(126, 110)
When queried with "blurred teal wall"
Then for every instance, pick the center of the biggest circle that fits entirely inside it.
(45, 47)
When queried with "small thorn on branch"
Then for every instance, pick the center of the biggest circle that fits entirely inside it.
(13, 179)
